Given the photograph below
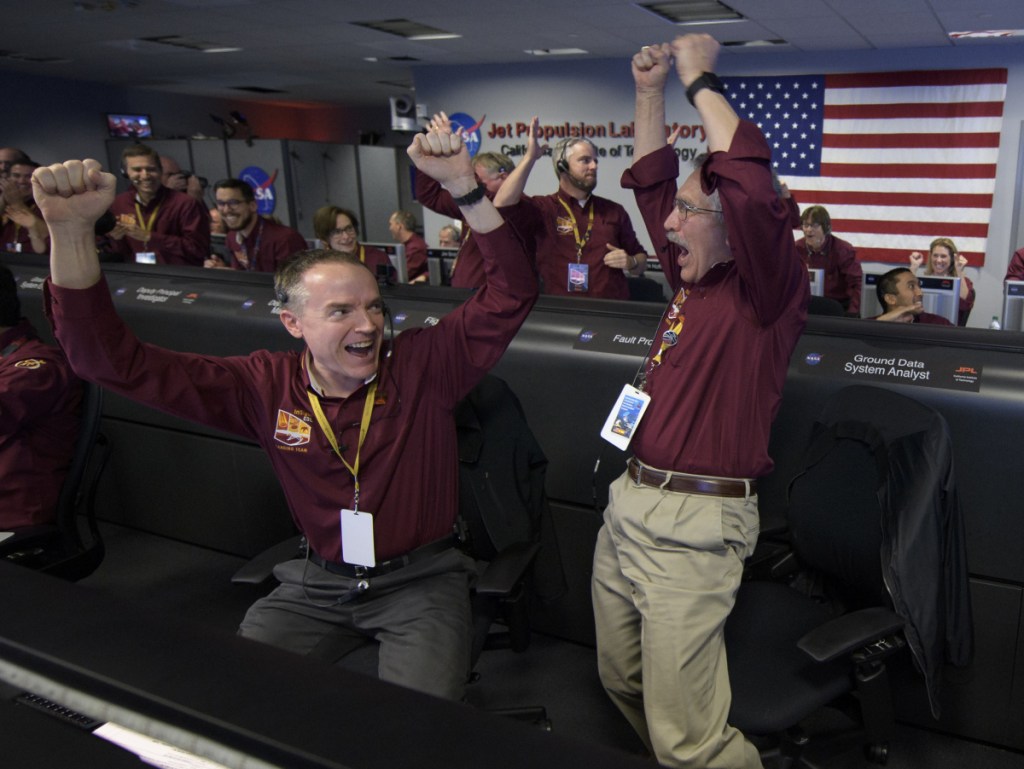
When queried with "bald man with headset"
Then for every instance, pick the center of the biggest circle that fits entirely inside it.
(586, 245)
(347, 422)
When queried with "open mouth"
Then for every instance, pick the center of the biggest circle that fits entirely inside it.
(360, 349)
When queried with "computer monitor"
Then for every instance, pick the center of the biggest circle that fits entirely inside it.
(817, 278)
(1013, 305)
(440, 262)
(396, 253)
(941, 296)
(129, 126)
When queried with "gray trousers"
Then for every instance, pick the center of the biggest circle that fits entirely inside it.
(419, 616)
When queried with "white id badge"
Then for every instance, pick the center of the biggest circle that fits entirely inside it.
(145, 257)
(357, 538)
(625, 416)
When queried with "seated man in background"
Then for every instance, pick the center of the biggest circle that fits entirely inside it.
(23, 229)
(900, 295)
(1015, 269)
(448, 237)
(156, 225)
(346, 422)
(174, 178)
(824, 251)
(255, 243)
(40, 403)
(403, 230)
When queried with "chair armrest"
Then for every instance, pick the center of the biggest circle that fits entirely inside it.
(506, 569)
(845, 634)
(261, 568)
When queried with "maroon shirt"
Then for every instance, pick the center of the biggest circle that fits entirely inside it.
(373, 258)
(40, 405)
(556, 242)
(716, 392)
(1015, 270)
(843, 275)
(469, 265)
(181, 229)
(264, 396)
(416, 256)
(268, 246)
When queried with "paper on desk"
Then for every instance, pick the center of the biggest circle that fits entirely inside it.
(153, 752)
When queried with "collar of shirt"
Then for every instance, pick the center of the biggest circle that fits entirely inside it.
(313, 384)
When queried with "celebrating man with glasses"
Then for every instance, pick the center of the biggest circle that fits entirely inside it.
(256, 243)
(684, 515)
(156, 225)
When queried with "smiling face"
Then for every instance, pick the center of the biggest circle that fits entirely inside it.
(814, 235)
(582, 161)
(21, 175)
(145, 174)
(342, 236)
(941, 261)
(341, 319)
(236, 212)
(701, 236)
(907, 293)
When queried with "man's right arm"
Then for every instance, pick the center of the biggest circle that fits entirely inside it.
(651, 67)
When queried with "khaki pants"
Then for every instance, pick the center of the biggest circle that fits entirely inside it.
(666, 570)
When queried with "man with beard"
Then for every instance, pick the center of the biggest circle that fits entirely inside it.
(156, 225)
(585, 244)
(256, 244)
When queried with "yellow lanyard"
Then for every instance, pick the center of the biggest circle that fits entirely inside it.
(364, 428)
(146, 226)
(580, 242)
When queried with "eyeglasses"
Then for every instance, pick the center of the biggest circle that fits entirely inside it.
(684, 209)
(350, 230)
(230, 203)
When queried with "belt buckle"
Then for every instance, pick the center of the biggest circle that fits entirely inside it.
(361, 571)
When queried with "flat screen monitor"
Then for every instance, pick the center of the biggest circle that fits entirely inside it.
(817, 278)
(440, 262)
(129, 126)
(1013, 305)
(396, 253)
(941, 296)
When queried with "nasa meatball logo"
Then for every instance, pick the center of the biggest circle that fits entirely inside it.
(586, 336)
(400, 318)
(262, 187)
(813, 358)
(470, 130)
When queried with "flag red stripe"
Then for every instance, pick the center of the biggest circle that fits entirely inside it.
(909, 170)
(924, 229)
(927, 110)
(922, 199)
(917, 78)
(904, 141)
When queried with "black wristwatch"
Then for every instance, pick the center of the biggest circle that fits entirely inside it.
(707, 80)
(471, 197)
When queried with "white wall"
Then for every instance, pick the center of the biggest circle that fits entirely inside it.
(600, 92)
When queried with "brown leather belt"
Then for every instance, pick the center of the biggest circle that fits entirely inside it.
(689, 484)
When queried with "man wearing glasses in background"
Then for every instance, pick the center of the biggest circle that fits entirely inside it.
(255, 243)
(682, 518)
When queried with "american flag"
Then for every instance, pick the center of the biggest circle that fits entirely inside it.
(897, 158)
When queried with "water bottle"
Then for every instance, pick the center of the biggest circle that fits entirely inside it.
(995, 323)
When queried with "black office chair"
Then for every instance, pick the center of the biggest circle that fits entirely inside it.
(876, 565)
(503, 510)
(62, 548)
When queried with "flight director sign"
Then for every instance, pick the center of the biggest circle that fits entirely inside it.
(263, 187)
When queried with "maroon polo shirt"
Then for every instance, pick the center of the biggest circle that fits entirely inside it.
(416, 256)
(181, 228)
(469, 265)
(264, 396)
(556, 242)
(716, 392)
(40, 406)
(267, 247)
(843, 275)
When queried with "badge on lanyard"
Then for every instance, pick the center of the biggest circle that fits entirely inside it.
(625, 416)
(357, 538)
(579, 278)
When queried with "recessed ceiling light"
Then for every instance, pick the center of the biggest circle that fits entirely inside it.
(410, 30)
(555, 51)
(693, 12)
(982, 33)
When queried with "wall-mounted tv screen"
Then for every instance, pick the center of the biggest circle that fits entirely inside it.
(125, 126)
